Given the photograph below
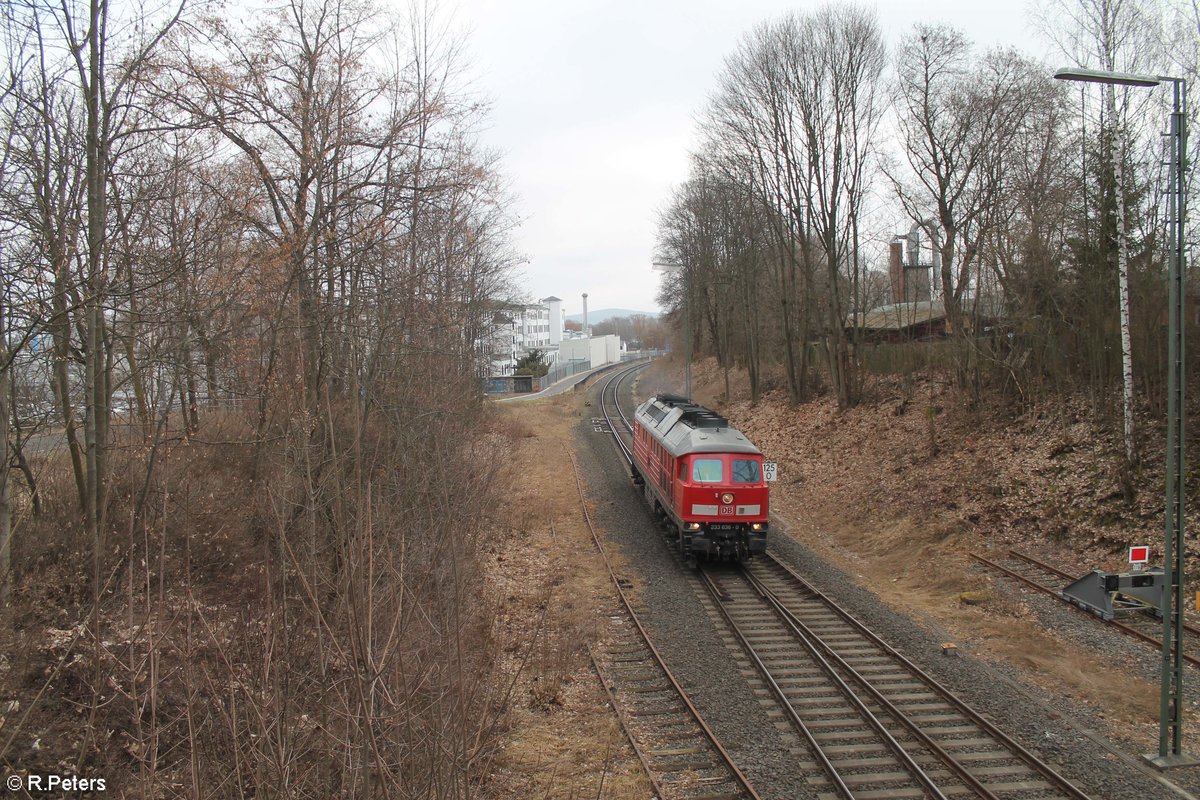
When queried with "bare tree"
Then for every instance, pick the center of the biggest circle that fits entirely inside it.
(794, 120)
(956, 118)
(753, 133)
(76, 95)
(838, 85)
(9, 281)
(714, 229)
(294, 213)
(1029, 247)
(1113, 35)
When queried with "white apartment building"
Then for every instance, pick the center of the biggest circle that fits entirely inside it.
(557, 319)
(519, 328)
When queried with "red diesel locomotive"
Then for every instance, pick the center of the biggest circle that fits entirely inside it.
(704, 476)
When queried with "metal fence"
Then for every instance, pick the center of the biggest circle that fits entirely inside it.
(562, 371)
(567, 369)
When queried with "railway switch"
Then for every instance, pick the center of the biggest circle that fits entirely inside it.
(1107, 594)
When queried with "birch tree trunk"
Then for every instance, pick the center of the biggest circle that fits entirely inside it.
(1122, 276)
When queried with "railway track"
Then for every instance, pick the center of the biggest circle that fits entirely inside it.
(613, 415)
(1048, 579)
(679, 752)
(877, 724)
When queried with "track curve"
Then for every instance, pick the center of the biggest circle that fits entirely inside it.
(679, 752)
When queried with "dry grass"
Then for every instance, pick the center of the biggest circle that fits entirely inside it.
(563, 740)
(1129, 702)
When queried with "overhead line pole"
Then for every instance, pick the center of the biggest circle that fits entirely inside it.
(1170, 747)
(1171, 701)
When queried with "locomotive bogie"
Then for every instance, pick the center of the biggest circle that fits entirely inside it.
(724, 542)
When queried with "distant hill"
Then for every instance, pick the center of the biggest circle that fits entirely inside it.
(603, 314)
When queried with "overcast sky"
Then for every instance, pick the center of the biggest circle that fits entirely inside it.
(594, 107)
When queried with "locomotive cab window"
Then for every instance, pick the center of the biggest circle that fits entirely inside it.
(707, 470)
(745, 470)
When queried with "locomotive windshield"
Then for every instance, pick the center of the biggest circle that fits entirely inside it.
(745, 470)
(707, 470)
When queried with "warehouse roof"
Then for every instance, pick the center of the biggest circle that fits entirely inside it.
(898, 316)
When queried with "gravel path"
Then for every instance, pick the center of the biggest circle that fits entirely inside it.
(729, 695)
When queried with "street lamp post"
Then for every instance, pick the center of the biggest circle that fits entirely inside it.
(1170, 719)
(674, 266)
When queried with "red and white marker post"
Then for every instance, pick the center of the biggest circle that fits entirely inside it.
(1139, 556)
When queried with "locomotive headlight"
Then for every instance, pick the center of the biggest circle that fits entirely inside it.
(727, 498)
(693, 526)
(756, 526)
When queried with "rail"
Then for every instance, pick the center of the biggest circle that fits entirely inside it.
(612, 386)
(773, 571)
(722, 758)
(1033, 583)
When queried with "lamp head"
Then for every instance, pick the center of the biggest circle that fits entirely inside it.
(1100, 76)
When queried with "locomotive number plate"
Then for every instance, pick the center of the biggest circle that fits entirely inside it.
(726, 511)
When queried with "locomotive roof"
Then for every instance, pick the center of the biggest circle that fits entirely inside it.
(684, 427)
